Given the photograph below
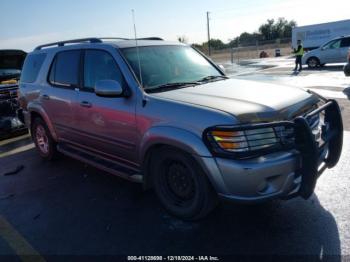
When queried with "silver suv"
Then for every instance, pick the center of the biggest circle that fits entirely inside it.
(164, 115)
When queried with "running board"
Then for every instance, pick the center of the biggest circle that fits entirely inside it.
(100, 162)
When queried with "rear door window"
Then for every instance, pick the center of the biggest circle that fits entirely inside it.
(65, 69)
(31, 67)
(100, 65)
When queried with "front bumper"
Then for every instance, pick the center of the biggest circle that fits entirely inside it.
(263, 178)
(284, 174)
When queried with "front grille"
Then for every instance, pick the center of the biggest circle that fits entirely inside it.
(8, 101)
(269, 137)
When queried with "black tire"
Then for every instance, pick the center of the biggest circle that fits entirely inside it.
(41, 134)
(181, 185)
(313, 62)
(347, 69)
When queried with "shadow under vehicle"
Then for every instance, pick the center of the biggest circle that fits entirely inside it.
(11, 120)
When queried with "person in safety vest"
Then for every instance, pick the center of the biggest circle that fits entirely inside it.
(298, 56)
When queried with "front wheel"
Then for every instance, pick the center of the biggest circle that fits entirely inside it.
(181, 185)
(313, 62)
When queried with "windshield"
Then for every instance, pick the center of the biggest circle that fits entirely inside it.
(162, 65)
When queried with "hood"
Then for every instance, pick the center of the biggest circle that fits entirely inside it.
(249, 101)
(10, 62)
(313, 51)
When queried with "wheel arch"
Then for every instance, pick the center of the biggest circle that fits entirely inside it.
(37, 111)
(158, 137)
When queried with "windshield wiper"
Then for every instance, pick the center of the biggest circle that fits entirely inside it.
(210, 78)
(168, 86)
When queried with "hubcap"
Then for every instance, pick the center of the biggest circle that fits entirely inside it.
(312, 63)
(41, 139)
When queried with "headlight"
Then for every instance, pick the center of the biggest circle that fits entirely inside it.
(247, 142)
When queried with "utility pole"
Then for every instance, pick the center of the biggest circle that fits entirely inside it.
(208, 28)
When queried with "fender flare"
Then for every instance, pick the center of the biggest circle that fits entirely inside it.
(36, 108)
(172, 136)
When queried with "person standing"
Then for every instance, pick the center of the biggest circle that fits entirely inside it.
(299, 52)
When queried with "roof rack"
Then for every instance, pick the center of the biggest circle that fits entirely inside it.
(92, 41)
(113, 38)
(122, 38)
(62, 43)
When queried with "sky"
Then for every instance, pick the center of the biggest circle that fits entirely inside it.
(25, 24)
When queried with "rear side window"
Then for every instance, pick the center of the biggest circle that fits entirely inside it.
(345, 42)
(100, 65)
(65, 69)
(31, 67)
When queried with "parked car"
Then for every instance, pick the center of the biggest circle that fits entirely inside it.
(164, 115)
(11, 120)
(315, 35)
(347, 66)
(334, 51)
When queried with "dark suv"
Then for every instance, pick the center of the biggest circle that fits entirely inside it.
(11, 120)
(163, 114)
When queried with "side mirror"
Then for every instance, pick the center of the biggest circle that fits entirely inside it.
(108, 88)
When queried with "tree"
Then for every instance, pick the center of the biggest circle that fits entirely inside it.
(215, 44)
(248, 38)
(266, 30)
(288, 28)
(281, 28)
(271, 30)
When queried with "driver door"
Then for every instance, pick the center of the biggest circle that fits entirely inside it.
(107, 125)
(331, 53)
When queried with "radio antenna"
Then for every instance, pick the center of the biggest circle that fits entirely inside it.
(137, 46)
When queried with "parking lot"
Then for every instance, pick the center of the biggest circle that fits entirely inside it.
(66, 208)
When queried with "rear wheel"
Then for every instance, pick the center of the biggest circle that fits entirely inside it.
(43, 140)
(181, 185)
(347, 69)
(313, 62)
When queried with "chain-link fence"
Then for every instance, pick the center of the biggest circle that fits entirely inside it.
(258, 49)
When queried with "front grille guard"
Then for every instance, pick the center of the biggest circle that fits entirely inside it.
(314, 159)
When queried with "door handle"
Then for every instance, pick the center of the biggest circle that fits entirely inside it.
(85, 104)
(46, 97)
